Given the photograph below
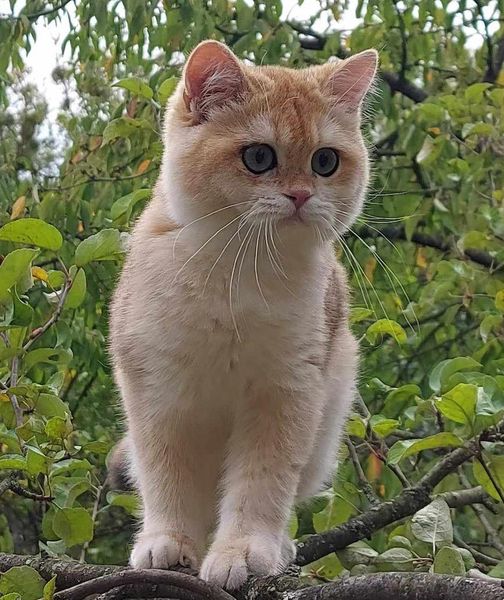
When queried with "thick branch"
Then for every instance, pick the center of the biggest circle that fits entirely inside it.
(404, 87)
(115, 583)
(406, 504)
(402, 586)
(424, 239)
(459, 498)
(177, 586)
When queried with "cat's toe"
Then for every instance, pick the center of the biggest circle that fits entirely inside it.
(230, 563)
(163, 550)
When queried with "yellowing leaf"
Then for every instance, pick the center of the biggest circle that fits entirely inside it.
(95, 142)
(39, 273)
(4, 398)
(80, 227)
(434, 130)
(143, 166)
(18, 208)
(77, 157)
(369, 268)
(421, 259)
(499, 300)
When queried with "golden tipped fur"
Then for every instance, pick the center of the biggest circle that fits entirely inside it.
(229, 325)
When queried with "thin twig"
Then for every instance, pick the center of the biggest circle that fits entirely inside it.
(366, 488)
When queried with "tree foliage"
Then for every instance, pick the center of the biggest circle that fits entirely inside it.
(426, 261)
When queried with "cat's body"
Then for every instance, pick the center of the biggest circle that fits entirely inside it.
(229, 330)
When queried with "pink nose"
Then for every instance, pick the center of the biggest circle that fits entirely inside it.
(298, 197)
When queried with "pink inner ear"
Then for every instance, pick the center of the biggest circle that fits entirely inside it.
(213, 76)
(352, 79)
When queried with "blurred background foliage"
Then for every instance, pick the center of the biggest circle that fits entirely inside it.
(426, 260)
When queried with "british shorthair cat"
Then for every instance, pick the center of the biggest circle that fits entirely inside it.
(229, 329)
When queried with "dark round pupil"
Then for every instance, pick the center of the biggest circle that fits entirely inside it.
(260, 156)
(323, 159)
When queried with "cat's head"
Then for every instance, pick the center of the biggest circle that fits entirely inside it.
(281, 145)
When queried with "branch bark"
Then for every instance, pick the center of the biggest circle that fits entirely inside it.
(424, 239)
(406, 504)
(114, 583)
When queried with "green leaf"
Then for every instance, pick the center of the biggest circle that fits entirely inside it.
(77, 292)
(16, 267)
(356, 426)
(52, 356)
(123, 127)
(136, 86)
(495, 465)
(36, 461)
(448, 561)
(446, 368)
(56, 279)
(56, 428)
(166, 89)
(404, 448)
(474, 93)
(498, 570)
(50, 589)
(385, 327)
(24, 581)
(104, 245)
(70, 465)
(395, 559)
(11, 461)
(432, 524)
(358, 553)
(49, 406)
(499, 300)
(383, 426)
(129, 502)
(73, 525)
(358, 314)
(397, 400)
(459, 404)
(124, 206)
(32, 231)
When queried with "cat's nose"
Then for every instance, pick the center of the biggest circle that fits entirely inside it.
(298, 197)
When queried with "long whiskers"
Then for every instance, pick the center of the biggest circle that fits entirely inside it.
(256, 268)
(205, 244)
(214, 212)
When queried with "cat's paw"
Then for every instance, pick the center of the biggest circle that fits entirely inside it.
(289, 551)
(230, 562)
(163, 550)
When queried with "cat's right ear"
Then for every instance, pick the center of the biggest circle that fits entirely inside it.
(213, 77)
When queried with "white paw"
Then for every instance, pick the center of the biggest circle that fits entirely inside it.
(230, 562)
(163, 550)
(289, 551)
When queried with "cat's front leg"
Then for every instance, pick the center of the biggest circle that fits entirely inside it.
(271, 441)
(176, 468)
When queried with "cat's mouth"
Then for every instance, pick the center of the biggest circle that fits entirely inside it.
(296, 217)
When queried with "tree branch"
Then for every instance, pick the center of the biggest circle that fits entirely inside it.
(424, 239)
(34, 16)
(406, 504)
(114, 583)
(402, 586)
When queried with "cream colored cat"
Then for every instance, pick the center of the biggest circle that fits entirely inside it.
(229, 326)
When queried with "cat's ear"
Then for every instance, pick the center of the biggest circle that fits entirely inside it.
(352, 79)
(213, 77)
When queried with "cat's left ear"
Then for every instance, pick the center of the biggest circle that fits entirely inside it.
(213, 77)
(352, 79)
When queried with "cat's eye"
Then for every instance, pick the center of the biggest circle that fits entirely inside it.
(259, 158)
(325, 161)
